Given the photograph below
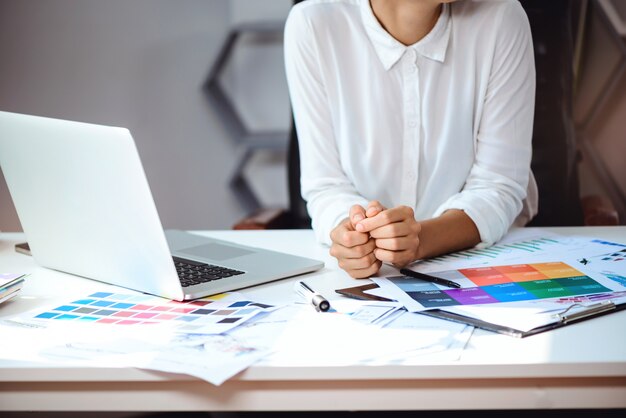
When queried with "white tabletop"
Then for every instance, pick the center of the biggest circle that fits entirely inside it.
(579, 366)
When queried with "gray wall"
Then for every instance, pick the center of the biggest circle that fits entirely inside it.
(140, 64)
(256, 81)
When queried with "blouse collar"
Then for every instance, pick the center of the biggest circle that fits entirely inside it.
(390, 50)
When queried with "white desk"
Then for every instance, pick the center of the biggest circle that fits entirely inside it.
(579, 366)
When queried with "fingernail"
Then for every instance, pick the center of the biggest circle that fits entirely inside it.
(360, 227)
(357, 218)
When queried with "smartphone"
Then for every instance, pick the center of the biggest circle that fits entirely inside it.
(23, 248)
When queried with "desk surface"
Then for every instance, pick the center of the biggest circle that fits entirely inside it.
(579, 366)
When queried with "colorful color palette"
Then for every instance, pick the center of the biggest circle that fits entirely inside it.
(508, 283)
(209, 315)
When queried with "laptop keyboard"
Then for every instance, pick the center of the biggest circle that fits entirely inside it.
(192, 273)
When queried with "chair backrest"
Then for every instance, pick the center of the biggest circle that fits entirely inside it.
(298, 214)
(555, 153)
(554, 161)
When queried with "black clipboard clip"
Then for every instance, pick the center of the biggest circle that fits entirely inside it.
(587, 311)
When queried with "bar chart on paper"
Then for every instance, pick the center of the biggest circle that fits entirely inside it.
(611, 265)
(520, 246)
(504, 251)
(528, 246)
(505, 283)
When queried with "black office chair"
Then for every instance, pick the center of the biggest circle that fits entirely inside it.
(555, 152)
(555, 155)
(554, 144)
(293, 217)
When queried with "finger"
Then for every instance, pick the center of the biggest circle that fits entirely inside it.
(399, 258)
(345, 235)
(339, 229)
(367, 272)
(357, 213)
(383, 218)
(394, 230)
(339, 251)
(358, 263)
(373, 208)
(347, 238)
(397, 244)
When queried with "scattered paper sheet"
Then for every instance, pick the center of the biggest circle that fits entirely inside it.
(367, 312)
(448, 340)
(214, 358)
(159, 338)
(357, 333)
(312, 339)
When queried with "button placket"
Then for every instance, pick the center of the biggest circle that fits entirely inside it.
(411, 129)
(417, 139)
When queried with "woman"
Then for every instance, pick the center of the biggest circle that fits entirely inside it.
(414, 120)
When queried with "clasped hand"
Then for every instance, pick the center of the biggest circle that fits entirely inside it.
(369, 237)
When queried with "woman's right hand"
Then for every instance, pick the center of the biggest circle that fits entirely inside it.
(354, 250)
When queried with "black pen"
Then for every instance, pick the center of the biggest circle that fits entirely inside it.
(429, 278)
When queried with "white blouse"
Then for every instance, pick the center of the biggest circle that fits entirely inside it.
(443, 124)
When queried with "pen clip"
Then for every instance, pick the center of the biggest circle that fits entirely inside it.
(587, 311)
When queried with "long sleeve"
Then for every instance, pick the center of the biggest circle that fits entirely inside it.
(497, 185)
(324, 185)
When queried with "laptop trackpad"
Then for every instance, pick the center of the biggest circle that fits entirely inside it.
(215, 251)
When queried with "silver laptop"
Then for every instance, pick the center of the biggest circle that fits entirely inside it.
(85, 206)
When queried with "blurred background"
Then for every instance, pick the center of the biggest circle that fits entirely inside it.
(600, 101)
(201, 86)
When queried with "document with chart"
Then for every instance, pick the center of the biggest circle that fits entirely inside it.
(572, 280)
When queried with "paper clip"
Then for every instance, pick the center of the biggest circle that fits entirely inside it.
(588, 310)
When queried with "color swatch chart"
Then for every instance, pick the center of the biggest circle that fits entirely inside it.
(508, 283)
(208, 316)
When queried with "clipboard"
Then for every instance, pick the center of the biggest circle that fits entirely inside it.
(562, 319)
